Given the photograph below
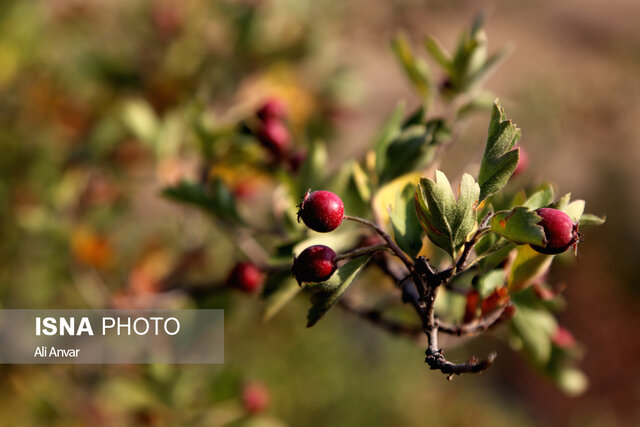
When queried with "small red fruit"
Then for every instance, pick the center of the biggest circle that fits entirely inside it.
(321, 211)
(246, 277)
(560, 231)
(315, 264)
(523, 162)
(274, 135)
(273, 108)
(255, 397)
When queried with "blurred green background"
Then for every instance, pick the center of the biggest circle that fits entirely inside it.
(82, 223)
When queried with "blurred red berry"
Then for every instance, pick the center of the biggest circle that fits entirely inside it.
(255, 397)
(273, 109)
(296, 160)
(246, 277)
(563, 338)
(274, 135)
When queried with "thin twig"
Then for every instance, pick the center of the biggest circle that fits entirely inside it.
(392, 245)
(362, 251)
(376, 317)
(468, 329)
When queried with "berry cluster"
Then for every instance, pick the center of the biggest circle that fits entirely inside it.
(321, 211)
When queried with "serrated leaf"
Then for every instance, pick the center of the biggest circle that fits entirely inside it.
(500, 158)
(588, 220)
(386, 195)
(216, 199)
(415, 68)
(447, 222)
(563, 202)
(328, 293)
(527, 267)
(520, 225)
(286, 290)
(541, 198)
(404, 220)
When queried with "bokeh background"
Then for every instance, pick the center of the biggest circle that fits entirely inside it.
(82, 223)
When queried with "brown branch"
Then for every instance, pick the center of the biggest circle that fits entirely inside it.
(480, 325)
(376, 317)
(361, 251)
(392, 245)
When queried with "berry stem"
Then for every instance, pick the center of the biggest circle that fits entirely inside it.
(362, 251)
(392, 245)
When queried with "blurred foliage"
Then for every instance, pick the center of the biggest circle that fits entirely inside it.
(106, 104)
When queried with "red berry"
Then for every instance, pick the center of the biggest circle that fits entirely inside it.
(274, 135)
(246, 277)
(523, 162)
(560, 231)
(255, 397)
(321, 211)
(563, 338)
(315, 264)
(273, 108)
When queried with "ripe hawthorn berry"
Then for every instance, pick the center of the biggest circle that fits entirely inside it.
(321, 211)
(274, 135)
(246, 277)
(315, 264)
(560, 231)
(273, 108)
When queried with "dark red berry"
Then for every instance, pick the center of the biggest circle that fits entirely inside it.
(321, 211)
(255, 397)
(274, 135)
(523, 162)
(315, 264)
(246, 277)
(273, 108)
(560, 231)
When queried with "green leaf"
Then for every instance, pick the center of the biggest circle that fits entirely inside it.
(406, 152)
(535, 326)
(540, 199)
(404, 220)
(438, 52)
(489, 66)
(390, 131)
(361, 181)
(328, 293)
(447, 222)
(500, 158)
(285, 291)
(488, 282)
(314, 169)
(575, 209)
(217, 199)
(520, 225)
(527, 267)
(415, 68)
(588, 220)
